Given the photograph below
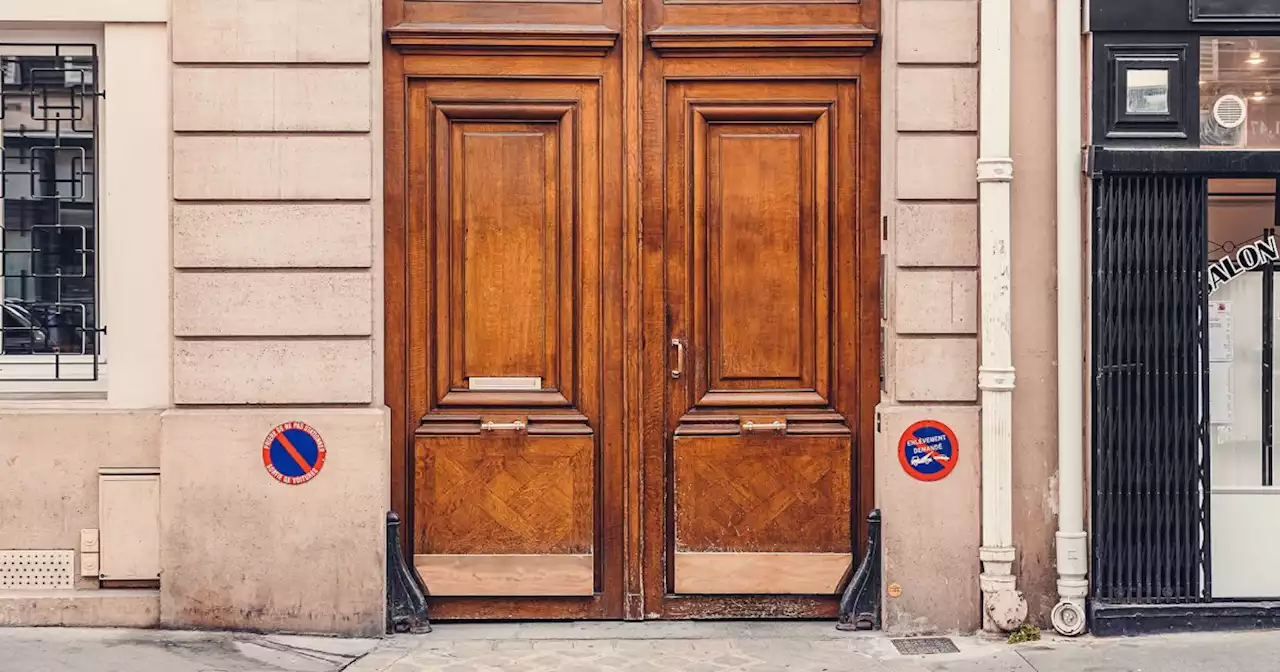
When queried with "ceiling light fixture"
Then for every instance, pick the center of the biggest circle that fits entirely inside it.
(1255, 58)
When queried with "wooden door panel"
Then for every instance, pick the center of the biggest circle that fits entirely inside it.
(756, 292)
(759, 267)
(505, 328)
(505, 215)
(762, 494)
(760, 194)
(757, 514)
(507, 514)
(514, 196)
(507, 493)
(750, 247)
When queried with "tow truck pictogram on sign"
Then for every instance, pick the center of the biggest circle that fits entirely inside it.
(928, 450)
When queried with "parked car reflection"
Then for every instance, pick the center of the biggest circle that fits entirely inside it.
(22, 333)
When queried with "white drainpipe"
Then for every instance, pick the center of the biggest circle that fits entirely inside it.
(1003, 606)
(1073, 557)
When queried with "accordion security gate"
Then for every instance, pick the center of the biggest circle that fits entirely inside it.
(1150, 470)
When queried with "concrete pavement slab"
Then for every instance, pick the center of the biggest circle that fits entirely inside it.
(116, 650)
(1194, 652)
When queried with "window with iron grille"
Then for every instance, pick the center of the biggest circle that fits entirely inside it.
(48, 202)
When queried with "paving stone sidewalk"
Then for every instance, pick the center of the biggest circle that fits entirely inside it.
(794, 647)
(624, 647)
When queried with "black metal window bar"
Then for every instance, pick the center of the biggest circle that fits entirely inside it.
(48, 199)
(1151, 462)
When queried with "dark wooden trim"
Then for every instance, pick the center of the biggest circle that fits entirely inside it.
(870, 301)
(445, 38)
(395, 293)
(633, 58)
(753, 40)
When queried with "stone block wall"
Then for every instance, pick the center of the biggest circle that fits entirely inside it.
(931, 321)
(276, 316)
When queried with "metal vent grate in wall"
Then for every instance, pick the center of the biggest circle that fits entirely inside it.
(37, 570)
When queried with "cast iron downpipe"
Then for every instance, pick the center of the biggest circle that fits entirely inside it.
(1003, 607)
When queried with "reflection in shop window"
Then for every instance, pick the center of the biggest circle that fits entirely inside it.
(1147, 92)
(1239, 107)
(1242, 326)
(48, 200)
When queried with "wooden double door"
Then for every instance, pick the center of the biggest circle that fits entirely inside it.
(632, 302)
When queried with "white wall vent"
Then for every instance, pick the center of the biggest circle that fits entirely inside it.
(1230, 111)
(37, 570)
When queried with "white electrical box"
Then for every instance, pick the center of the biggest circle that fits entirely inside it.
(129, 524)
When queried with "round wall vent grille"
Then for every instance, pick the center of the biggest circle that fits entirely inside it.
(1229, 111)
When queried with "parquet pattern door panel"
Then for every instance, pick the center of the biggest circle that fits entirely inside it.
(762, 494)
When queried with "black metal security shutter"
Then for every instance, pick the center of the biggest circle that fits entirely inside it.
(1150, 397)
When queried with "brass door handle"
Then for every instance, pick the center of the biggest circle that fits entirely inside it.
(679, 345)
(775, 426)
(515, 426)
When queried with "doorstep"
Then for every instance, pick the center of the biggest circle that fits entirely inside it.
(80, 608)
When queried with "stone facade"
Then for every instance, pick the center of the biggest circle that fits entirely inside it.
(930, 193)
(242, 214)
(273, 116)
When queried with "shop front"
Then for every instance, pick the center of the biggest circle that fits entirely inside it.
(1184, 168)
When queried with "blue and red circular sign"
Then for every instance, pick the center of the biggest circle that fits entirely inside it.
(293, 453)
(928, 450)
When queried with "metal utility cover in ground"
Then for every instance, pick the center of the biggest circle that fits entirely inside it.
(916, 646)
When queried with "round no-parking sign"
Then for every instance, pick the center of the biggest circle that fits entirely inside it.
(293, 453)
(928, 450)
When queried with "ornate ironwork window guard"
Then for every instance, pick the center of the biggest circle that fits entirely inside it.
(49, 267)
